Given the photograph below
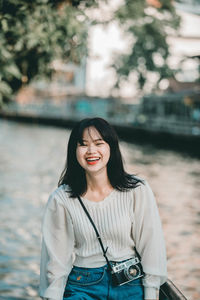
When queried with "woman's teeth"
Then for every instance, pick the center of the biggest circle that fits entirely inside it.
(92, 159)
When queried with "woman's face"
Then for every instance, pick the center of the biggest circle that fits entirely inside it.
(93, 155)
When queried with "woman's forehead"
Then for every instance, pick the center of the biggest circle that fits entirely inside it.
(91, 133)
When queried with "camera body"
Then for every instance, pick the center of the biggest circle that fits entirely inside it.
(126, 271)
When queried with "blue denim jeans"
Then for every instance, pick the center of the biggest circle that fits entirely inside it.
(95, 283)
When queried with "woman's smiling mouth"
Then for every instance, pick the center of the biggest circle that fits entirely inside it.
(92, 160)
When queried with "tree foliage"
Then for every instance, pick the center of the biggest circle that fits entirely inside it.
(147, 23)
(33, 34)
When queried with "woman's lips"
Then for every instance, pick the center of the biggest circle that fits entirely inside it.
(92, 160)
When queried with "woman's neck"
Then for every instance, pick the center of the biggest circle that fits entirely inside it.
(97, 182)
(98, 187)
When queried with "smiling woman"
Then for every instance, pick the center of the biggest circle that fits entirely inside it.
(124, 210)
(93, 151)
(83, 137)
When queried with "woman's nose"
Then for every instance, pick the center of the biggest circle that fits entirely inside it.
(91, 148)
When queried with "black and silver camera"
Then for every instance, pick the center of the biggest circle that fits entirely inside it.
(126, 271)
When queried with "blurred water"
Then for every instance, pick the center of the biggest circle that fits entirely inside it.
(31, 160)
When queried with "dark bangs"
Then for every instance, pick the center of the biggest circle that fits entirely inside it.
(102, 126)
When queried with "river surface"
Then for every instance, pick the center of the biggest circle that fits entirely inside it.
(31, 160)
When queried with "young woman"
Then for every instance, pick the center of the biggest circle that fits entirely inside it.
(124, 211)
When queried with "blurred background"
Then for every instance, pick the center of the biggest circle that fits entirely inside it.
(134, 63)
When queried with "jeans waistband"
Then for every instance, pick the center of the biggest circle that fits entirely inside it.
(90, 269)
(102, 267)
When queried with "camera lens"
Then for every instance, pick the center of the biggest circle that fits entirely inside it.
(132, 272)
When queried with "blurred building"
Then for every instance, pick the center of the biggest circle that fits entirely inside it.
(185, 47)
(67, 80)
(175, 113)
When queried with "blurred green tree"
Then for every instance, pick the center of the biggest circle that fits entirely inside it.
(146, 23)
(34, 33)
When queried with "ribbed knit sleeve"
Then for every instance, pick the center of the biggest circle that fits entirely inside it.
(149, 240)
(57, 249)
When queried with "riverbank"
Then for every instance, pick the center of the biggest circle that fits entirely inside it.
(184, 143)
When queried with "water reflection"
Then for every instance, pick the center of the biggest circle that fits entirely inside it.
(31, 160)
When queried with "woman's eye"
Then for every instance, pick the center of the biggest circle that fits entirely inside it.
(98, 144)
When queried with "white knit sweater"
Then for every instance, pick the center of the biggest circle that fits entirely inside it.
(124, 220)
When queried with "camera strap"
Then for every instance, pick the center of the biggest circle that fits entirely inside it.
(96, 231)
(98, 235)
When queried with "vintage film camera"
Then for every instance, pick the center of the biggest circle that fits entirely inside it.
(126, 271)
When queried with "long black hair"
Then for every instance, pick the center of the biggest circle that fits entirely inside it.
(74, 175)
